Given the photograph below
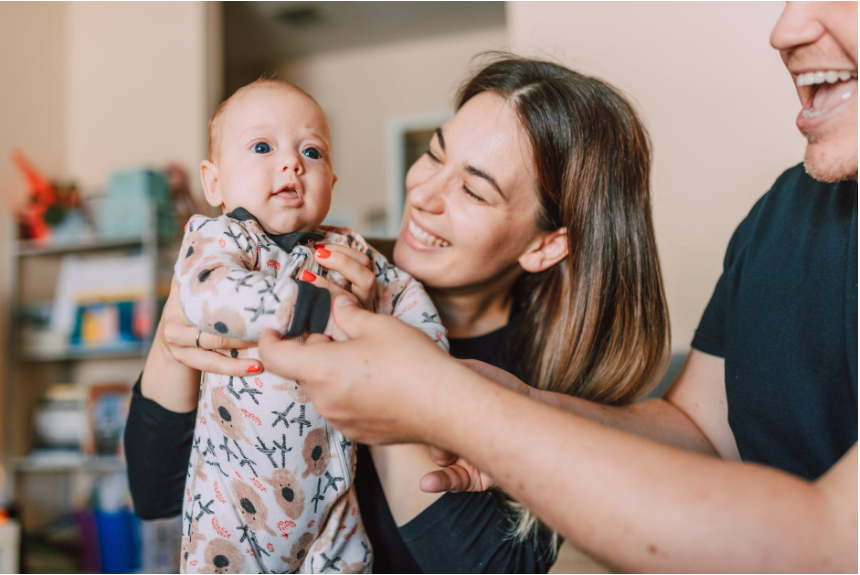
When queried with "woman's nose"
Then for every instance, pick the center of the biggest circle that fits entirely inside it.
(428, 196)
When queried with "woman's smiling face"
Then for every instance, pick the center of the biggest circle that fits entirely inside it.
(471, 202)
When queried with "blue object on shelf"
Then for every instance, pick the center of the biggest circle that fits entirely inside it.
(129, 197)
(119, 542)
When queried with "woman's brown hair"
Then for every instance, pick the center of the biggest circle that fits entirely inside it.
(596, 324)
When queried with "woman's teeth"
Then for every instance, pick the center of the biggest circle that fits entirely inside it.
(425, 237)
(822, 76)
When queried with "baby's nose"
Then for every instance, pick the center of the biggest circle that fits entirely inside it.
(295, 167)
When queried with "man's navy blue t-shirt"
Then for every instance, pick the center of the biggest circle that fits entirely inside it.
(784, 317)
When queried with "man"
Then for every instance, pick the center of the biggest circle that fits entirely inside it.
(771, 381)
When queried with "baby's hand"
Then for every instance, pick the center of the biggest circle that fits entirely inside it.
(331, 328)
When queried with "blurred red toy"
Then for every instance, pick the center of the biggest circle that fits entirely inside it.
(42, 196)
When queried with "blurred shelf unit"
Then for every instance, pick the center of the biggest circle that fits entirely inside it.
(68, 462)
(101, 343)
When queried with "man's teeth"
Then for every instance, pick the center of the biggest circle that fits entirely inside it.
(812, 112)
(822, 76)
(427, 238)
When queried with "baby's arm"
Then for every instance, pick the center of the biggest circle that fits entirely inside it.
(223, 292)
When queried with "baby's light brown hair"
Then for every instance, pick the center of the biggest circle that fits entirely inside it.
(216, 119)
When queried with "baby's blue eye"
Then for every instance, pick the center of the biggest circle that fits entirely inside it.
(312, 153)
(262, 148)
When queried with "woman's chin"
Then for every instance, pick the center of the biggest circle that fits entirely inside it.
(412, 261)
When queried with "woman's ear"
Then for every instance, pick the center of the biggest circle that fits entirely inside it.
(211, 183)
(547, 250)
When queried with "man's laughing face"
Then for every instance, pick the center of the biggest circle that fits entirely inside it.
(818, 43)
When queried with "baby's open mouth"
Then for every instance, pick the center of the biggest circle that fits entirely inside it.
(290, 195)
(828, 89)
(289, 191)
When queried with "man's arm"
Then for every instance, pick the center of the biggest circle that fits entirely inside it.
(692, 416)
(630, 501)
(643, 506)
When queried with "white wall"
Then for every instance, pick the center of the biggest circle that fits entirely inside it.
(140, 79)
(32, 36)
(362, 89)
(717, 101)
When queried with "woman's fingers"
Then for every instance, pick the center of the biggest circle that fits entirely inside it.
(352, 265)
(180, 339)
(214, 362)
(186, 336)
(321, 282)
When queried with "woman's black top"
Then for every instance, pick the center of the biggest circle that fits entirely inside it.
(458, 533)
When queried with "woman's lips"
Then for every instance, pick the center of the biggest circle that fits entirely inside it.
(420, 239)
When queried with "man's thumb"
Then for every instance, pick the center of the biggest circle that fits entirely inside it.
(348, 316)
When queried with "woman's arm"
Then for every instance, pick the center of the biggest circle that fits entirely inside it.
(632, 502)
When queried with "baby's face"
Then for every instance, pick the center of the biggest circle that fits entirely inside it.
(274, 160)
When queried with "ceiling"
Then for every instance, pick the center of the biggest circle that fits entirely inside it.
(266, 32)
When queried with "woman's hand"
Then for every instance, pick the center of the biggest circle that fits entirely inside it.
(458, 474)
(375, 387)
(178, 340)
(355, 266)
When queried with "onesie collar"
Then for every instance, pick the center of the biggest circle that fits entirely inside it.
(284, 241)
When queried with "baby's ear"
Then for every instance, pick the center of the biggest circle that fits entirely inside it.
(211, 183)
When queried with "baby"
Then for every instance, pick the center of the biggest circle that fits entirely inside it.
(269, 485)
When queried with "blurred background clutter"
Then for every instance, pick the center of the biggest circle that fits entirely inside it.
(103, 124)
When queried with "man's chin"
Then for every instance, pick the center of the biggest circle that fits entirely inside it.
(830, 165)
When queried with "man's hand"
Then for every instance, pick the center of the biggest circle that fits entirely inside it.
(362, 386)
(458, 474)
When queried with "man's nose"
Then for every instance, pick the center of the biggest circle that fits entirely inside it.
(796, 26)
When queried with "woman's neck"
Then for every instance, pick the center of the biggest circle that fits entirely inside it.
(474, 311)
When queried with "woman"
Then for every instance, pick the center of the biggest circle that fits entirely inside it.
(529, 223)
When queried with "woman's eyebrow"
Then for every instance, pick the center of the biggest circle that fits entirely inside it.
(484, 175)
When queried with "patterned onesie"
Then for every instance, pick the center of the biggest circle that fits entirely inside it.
(269, 485)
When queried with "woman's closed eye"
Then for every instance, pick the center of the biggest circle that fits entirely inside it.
(262, 148)
(473, 196)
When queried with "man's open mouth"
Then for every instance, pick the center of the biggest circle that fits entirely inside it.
(827, 90)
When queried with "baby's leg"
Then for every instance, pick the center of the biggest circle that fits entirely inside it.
(342, 545)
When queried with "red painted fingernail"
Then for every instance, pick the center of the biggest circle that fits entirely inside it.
(322, 253)
(255, 369)
(308, 276)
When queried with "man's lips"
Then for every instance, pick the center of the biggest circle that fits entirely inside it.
(825, 93)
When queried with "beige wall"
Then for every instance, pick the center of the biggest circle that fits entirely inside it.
(140, 79)
(719, 105)
(362, 89)
(32, 36)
